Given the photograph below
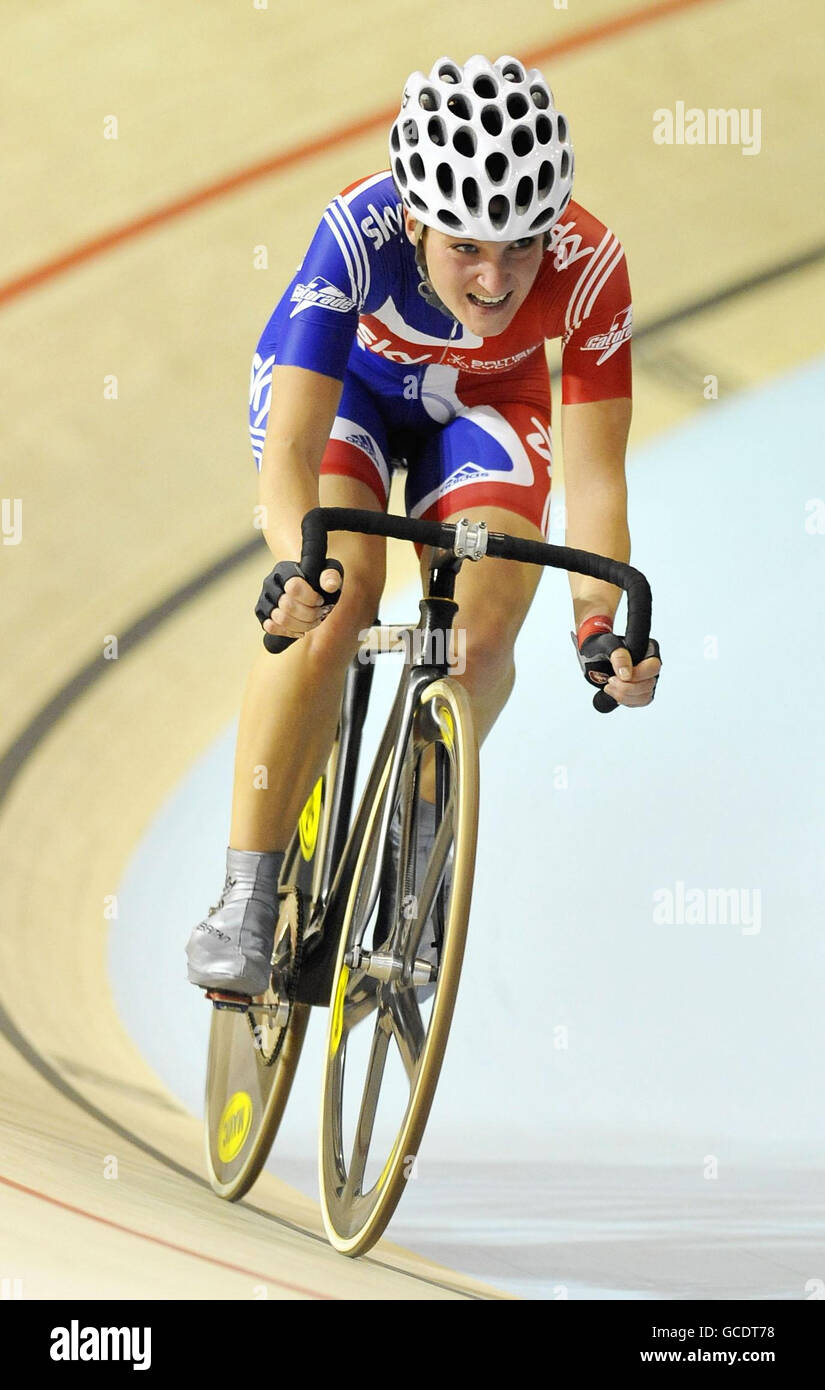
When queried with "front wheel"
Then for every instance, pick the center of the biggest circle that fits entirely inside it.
(396, 977)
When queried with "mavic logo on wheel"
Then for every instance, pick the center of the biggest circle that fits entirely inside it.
(619, 331)
(322, 293)
(310, 820)
(234, 1126)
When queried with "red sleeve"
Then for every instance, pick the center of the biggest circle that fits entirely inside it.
(599, 323)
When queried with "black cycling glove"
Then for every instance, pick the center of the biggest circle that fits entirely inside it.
(273, 589)
(594, 658)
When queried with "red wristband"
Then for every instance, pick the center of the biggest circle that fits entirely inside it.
(601, 623)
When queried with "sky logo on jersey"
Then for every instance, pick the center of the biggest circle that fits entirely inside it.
(380, 227)
(620, 330)
(322, 293)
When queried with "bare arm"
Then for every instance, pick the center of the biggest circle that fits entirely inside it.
(301, 416)
(594, 435)
(594, 438)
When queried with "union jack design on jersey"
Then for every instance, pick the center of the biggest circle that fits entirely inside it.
(474, 413)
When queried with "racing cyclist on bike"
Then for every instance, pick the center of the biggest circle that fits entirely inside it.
(420, 313)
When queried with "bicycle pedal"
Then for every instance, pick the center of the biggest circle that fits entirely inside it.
(225, 999)
(275, 1013)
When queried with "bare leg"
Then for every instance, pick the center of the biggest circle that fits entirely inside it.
(292, 700)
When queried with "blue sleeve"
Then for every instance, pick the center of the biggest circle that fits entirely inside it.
(318, 315)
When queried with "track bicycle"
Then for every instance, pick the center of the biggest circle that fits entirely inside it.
(379, 943)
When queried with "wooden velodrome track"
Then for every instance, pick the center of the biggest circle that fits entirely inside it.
(133, 258)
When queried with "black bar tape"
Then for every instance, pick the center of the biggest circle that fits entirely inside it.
(321, 520)
(604, 703)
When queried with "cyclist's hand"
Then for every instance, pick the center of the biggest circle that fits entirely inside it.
(606, 663)
(289, 606)
(637, 687)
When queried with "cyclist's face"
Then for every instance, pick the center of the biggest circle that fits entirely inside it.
(461, 268)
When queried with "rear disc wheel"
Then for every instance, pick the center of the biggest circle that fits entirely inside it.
(253, 1056)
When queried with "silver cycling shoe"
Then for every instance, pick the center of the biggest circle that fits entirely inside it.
(232, 948)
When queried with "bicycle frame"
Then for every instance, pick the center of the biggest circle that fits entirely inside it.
(339, 849)
(344, 874)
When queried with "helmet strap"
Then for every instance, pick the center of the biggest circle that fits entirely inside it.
(425, 289)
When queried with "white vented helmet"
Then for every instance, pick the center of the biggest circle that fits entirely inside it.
(481, 150)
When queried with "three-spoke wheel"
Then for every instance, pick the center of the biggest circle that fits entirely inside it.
(397, 975)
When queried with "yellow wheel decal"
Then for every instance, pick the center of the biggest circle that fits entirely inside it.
(310, 820)
(447, 727)
(338, 1011)
(234, 1126)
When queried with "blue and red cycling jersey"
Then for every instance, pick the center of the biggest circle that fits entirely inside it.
(474, 413)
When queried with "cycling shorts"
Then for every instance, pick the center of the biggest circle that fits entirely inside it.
(474, 455)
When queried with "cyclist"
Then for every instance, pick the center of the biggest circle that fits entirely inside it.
(417, 320)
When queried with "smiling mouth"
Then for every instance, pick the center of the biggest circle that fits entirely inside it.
(489, 303)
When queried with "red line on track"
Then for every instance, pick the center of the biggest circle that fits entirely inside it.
(167, 1244)
(88, 250)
